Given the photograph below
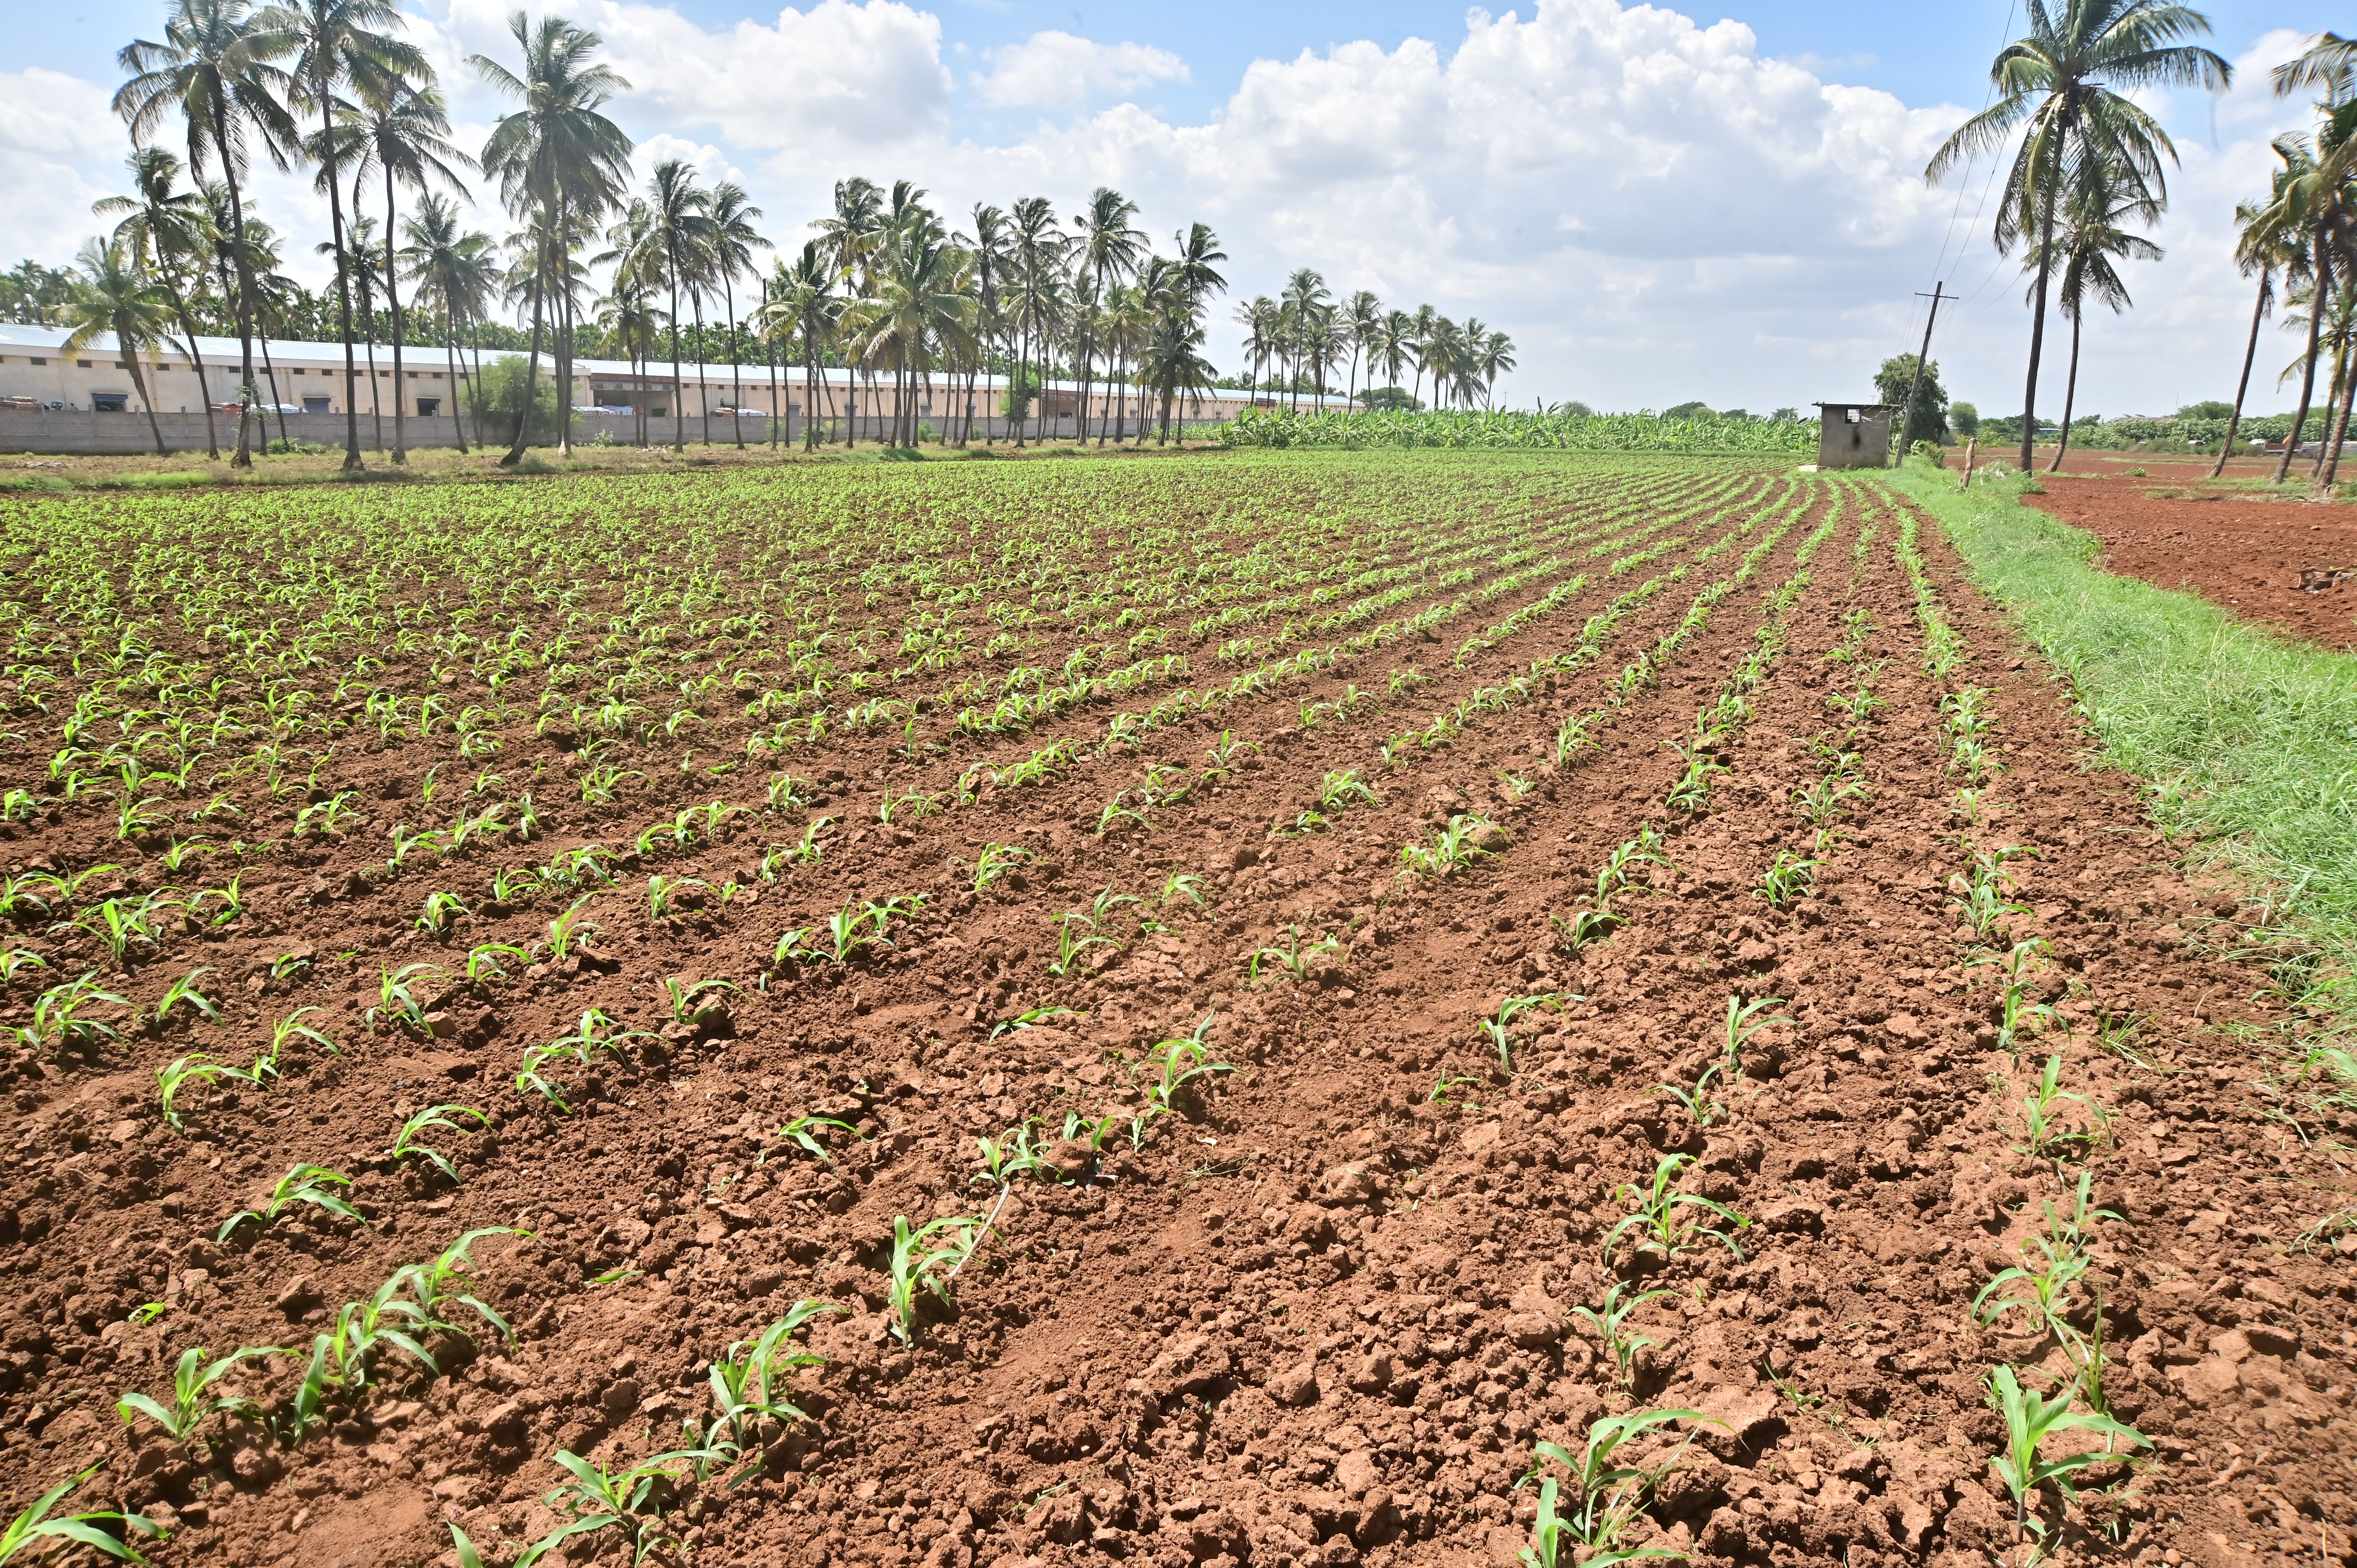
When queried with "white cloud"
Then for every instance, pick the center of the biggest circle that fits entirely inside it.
(1057, 71)
(56, 135)
(822, 82)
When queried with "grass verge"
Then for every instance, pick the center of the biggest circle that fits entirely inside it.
(2247, 739)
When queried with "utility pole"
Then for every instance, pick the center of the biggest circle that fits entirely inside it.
(1907, 410)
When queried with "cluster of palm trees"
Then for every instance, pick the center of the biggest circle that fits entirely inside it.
(2091, 160)
(2090, 168)
(2302, 241)
(1309, 335)
(884, 286)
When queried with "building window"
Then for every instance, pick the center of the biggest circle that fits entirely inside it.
(39, 360)
(427, 407)
(81, 364)
(318, 405)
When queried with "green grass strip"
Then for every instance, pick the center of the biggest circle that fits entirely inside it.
(2247, 738)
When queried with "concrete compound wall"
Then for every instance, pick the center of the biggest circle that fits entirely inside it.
(84, 434)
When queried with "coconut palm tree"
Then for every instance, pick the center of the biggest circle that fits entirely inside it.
(274, 301)
(1036, 247)
(399, 131)
(1391, 349)
(632, 322)
(917, 311)
(216, 68)
(115, 297)
(1495, 357)
(1305, 297)
(1107, 248)
(2103, 199)
(2269, 250)
(1362, 315)
(170, 233)
(2312, 199)
(2336, 334)
(666, 233)
(2065, 86)
(361, 262)
(342, 42)
(845, 235)
(556, 157)
(1421, 325)
(802, 302)
(988, 246)
(454, 274)
(732, 240)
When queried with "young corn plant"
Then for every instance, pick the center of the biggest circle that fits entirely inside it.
(1661, 1223)
(688, 1000)
(1177, 1064)
(33, 1528)
(922, 1265)
(2031, 1421)
(1498, 1028)
(397, 1001)
(1609, 1318)
(995, 861)
(174, 1077)
(2044, 1132)
(571, 930)
(747, 1383)
(410, 1140)
(56, 1023)
(1453, 848)
(1606, 1495)
(1293, 957)
(804, 1132)
(1743, 1022)
(1339, 791)
(1788, 880)
(440, 911)
(192, 1406)
(313, 1185)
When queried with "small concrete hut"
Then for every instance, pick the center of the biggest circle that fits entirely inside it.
(1854, 434)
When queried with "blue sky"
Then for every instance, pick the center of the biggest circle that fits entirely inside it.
(1658, 203)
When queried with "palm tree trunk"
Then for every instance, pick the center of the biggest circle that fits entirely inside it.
(277, 398)
(393, 303)
(195, 356)
(562, 349)
(2069, 394)
(703, 360)
(131, 358)
(2242, 387)
(450, 364)
(777, 409)
(736, 376)
(530, 383)
(678, 388)
(244, 456)
(2037, 329)
(343, 280)
(2332, 403)
(2339, 433)
(376, 400)
(2316, 301)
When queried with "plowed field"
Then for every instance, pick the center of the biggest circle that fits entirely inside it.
(1337, 970)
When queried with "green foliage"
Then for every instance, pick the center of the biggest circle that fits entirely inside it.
(1697, 431)
(33, 1529)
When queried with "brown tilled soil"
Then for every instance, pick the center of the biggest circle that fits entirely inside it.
(1323, 1319)
(2290, 565)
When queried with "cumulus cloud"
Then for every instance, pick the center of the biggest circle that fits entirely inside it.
(1057, 71)
(825, 82)
(57, 138)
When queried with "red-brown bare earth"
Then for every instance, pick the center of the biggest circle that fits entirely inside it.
(1323, 1316)
(2245, 553)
